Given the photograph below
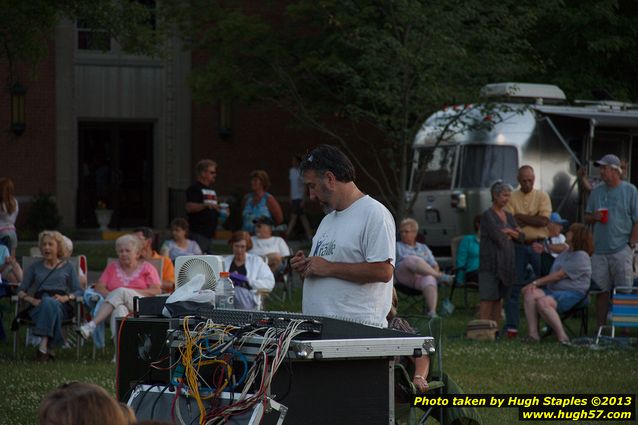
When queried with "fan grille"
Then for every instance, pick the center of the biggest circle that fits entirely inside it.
(193, 267)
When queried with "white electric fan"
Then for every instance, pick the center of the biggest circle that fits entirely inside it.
(188, 266)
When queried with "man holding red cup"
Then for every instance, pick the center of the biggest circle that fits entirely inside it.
(612, 208)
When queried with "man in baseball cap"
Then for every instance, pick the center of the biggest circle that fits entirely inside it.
(609, 160)
(265, 244)
(612, 208)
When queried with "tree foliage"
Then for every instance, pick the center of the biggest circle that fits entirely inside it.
(26, 27)
(586, 45)
(367, 73)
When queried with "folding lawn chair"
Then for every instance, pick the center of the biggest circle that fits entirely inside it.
(427, 327)
(624, 311)
(467, 286)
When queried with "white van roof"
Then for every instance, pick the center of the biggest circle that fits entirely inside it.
(528, 92)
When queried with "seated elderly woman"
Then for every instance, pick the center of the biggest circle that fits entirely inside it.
(249, 273)
(564, 287)
(180, 244)
(49, 285)
(128, 277)
(416, 267)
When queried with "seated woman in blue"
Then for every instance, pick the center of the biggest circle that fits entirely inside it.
(565, 285)
(180, 244)
(416, 267)
(467, 255)
(49, 285)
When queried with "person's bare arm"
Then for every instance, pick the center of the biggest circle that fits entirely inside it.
(552, 277)
(421, 370)
(353, 272)
(195, 207)
(531, 220)
(633, 238)
(275, 210)
(557, 248)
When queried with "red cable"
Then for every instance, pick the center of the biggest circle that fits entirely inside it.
(117, 357)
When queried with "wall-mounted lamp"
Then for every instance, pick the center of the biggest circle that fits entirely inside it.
(225, 118)
(18, 93)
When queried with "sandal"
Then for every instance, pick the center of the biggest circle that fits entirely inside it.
(529, 340)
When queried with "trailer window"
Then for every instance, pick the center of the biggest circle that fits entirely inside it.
(437, 165)
(481, 165)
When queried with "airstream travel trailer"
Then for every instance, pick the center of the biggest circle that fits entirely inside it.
(534, 127)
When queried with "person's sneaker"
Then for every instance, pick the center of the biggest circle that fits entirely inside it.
(86, 330)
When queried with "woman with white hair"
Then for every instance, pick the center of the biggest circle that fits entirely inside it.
(497, 269)
(416, 267)
(49, 285)
(122, 280)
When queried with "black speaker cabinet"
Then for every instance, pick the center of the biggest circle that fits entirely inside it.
(142, 342)
(353, 392)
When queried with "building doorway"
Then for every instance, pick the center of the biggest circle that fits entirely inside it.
(115, 171)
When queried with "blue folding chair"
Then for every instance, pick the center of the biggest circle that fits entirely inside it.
(624, 312)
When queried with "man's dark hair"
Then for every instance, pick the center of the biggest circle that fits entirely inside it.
(329, 158)
(148, 233)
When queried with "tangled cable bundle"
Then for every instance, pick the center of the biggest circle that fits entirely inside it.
(220, 347)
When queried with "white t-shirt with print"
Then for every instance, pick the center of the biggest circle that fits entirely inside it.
(363, 232)
(273, 244)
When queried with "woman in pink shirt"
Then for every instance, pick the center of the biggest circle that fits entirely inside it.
(122, 280)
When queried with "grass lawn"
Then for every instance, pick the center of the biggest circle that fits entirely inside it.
(501, 367)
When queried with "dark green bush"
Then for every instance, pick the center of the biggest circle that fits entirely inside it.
(43, 214)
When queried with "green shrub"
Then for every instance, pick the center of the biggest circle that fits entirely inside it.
(43, 214)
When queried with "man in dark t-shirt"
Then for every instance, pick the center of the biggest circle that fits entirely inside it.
(202, 207)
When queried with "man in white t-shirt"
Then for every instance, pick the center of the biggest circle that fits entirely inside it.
(266, 245)
(349, 271)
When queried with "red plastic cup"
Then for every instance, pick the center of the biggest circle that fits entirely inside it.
(512, 333)
(604, 214)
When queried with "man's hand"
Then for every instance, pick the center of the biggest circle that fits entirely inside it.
(316, 266)
(538, 248)
(528, 288)
(513, 234)
(298, 262)
(62, 298)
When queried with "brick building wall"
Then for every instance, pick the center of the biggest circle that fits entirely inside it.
(29, 159)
